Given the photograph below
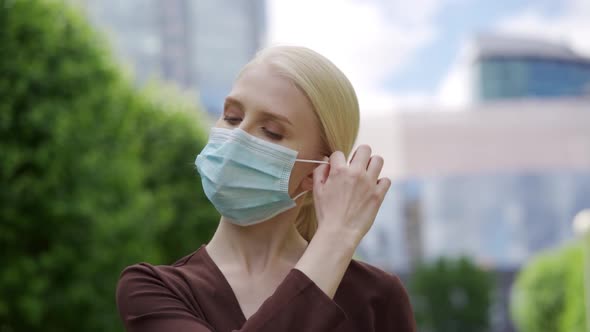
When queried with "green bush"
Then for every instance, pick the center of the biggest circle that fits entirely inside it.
(451, 295)
(548, 294)
(171, 142)
(94, 175)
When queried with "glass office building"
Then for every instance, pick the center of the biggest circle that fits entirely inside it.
(500, 219)
(498, 182)
(198, 45)
(508, 68)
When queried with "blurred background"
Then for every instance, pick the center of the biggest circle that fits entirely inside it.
(481, 110)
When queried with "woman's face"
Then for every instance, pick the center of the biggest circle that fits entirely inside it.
(272, 108)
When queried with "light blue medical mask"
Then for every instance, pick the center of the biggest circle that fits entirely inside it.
(247, 178)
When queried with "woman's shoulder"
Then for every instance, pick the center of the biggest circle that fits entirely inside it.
(367, 291)
(148, 270)
(152, 292)
(371, 281)
(172, 277)
(365, 271)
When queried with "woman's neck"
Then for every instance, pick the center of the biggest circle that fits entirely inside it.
(272, 244)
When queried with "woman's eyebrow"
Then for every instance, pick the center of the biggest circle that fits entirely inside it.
(266, 114)
(233, 101)
(276, 116)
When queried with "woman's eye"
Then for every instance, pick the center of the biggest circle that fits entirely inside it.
(271, 135)
(232, 120)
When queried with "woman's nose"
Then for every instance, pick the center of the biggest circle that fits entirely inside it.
(245, 126)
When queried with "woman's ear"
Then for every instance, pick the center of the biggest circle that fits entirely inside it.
(307, 183)
(318, 174)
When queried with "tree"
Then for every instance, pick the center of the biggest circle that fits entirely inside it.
(95, 175)
(548, 292)
(451, 295)
(172, 139)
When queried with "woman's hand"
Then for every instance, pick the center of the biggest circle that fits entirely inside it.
(347, 197)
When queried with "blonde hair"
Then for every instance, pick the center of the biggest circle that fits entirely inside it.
(333, 100)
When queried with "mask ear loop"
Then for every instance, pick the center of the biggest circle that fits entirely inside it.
(308, 161)
(300, 194)
(313, 161)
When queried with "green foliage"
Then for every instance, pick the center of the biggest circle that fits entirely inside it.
(171, 143)
(94, 175)
(548, 294)
(451, 295)
(573, 318)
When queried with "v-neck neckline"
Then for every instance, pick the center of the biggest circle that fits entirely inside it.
(233, 299)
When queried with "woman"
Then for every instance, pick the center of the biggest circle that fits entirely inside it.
(281, 257)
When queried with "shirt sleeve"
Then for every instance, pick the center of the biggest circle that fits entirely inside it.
(298, 304)
(148, 303)
(399, 315)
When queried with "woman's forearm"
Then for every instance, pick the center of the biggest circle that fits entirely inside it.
(326, 259)
(346, 198)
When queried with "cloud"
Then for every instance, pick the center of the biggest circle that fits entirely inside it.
(571, 27)
(379, 102)
(454, 91)
(369, 40)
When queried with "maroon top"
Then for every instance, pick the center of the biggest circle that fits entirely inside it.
(192, 295)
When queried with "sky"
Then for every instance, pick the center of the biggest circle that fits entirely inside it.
(402, 55)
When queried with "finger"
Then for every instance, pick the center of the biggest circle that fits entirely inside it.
(337, 161)
(361, 156)
(383, 186)
(320, 174)
(375, 167)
